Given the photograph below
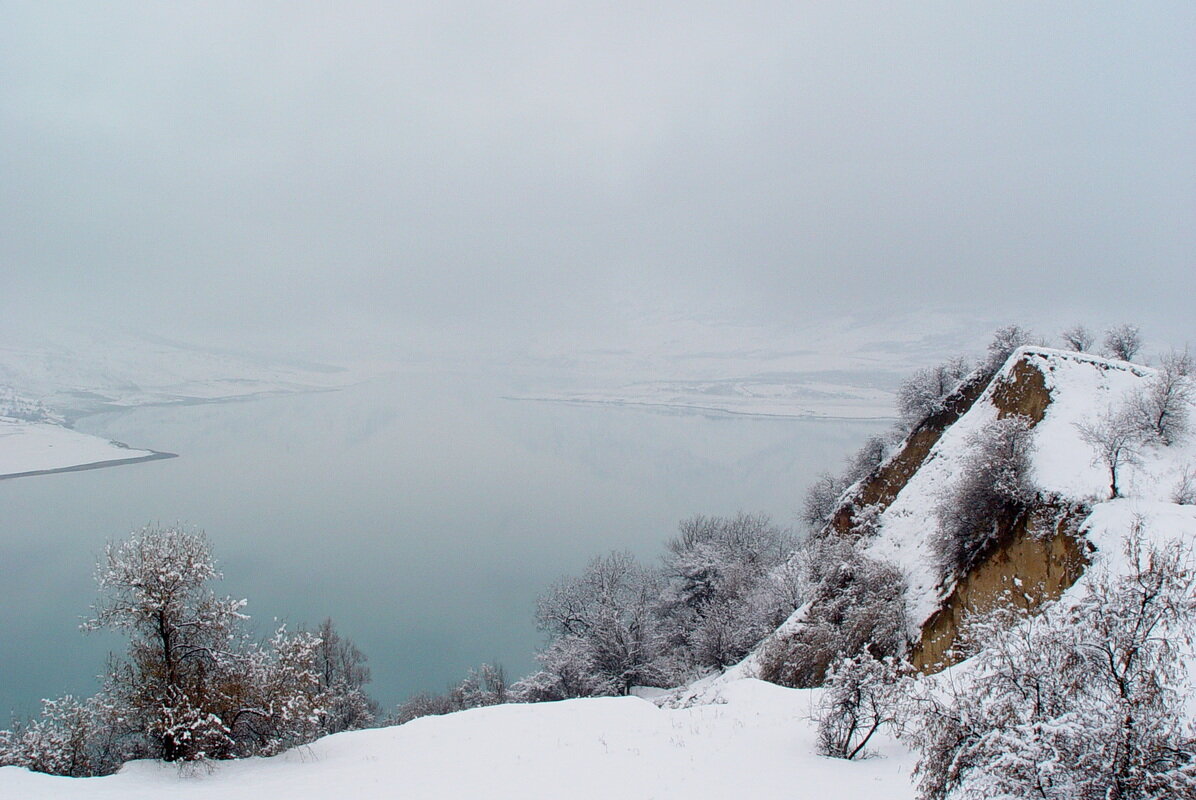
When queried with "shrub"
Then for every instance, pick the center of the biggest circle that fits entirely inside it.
(994, 483)
(860, 696)
(1123, 342)
(854, 604)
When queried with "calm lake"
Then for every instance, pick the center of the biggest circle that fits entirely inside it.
(422, 512)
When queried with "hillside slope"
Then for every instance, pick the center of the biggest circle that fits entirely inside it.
(755, 742)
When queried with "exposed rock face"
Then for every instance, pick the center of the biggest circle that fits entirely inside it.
(1037, 556)
(1022, 392)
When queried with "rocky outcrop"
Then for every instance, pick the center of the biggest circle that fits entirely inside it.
(1036, 557)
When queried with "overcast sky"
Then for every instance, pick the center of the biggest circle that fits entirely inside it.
(511, 168)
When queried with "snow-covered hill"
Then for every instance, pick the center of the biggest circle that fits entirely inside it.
(754, 742)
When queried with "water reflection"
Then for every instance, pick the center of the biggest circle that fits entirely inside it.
(422, 512)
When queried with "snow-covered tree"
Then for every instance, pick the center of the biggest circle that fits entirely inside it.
(182, 636)
(606, 634)
(1078, 338)
(923, 393)
(1080, 701)
(1005, 340)
(820, 500)
(1123, 342)
(343, 674)
(1114, 437)
(853, 604)
(1162, 408)
(194, 685)
(872, 454)
(717, 604)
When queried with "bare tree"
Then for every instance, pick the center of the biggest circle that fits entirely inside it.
(1123, 342)
(1163, 406)
(1078, 338)
(1184, 492)
(1114, 437)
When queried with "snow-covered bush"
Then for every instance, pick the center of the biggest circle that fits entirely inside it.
(717, 602)
(484, 686)
(1162, 408)
(994, 483)
(1078, 338)
(1123, 342)
(861, 695)
(1079, 702)
(70, 737)
(854, 604)
(606, 633)
(922, 394)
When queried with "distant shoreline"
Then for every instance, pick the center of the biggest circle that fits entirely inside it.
(700, 409)
(154, 455)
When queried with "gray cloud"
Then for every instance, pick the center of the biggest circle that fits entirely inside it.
(253, 170)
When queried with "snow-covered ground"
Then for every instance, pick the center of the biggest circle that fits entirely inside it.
(36, 447)
(755, 741)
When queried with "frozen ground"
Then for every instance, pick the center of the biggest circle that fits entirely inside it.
(755, 741)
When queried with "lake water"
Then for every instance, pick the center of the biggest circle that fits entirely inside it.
(422, 512)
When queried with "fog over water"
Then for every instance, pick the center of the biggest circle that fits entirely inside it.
(667, 196)
(423, 512)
